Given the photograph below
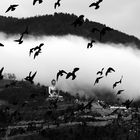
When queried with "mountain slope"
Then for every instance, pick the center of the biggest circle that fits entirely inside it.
(60, 24)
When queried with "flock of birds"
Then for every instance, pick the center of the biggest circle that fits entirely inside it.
(78, 22)
(56, 4)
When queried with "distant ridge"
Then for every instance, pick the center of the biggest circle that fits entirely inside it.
(60, 24)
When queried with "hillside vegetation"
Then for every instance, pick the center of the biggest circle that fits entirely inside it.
(60, 24)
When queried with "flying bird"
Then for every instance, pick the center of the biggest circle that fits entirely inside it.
(1, 45)
(79, 21)
(36, 53)
(96, 4)
(39, 1)
(39, 47)
(119, 92)
(31, 78)
(1, 76)
(31, 51)
(98, 79)
(72, 73)
(20, 41)
(90, 44)
(100, 72)
(11, 8)
(60, 73)
(118, 82)
(109, 70)
(57, 4)
(127, 103)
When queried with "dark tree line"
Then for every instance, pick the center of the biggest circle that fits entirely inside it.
(60, 24)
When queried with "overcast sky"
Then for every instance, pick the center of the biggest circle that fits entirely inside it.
(122, 15)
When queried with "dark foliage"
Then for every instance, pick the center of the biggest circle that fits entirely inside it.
(60, 24)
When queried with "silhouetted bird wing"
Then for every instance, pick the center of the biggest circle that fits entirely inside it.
(99, 72)
(88, 45)
(119, 92)
(60, 73)
(36, 54)
(100, 1)
(11, 7)
(41, 45)
(1, 70)
(75, 70)
(93, 41)
(115, 84)
(96, 4)
(33, 76)
(121, 79)
(1, 45)
(31, 51)
(34, 1)
(97, 79)
(109, 70)
(20, 41)
(30, 73)
(68, 75)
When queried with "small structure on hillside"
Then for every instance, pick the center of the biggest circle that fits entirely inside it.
(54, 92)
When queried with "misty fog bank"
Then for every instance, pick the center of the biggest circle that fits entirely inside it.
(67, 52)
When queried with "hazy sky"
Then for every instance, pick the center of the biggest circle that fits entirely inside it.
(119, 14)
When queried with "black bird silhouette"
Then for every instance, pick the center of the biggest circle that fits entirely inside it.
(96, 4)
(90, 44)
(79, 21)
(31, 51)
(109, 70)
(127, 103)
(37, 53)
(118, 82)
(119, 92)
(1, 76)
(1, 45)
(39, 47)
(100, 72)
(12, 8)
(20, 41)
(98, 79)
(60, 73)
(30, 78)
(39, 1)
(104, 30)
(57, 4)
(72, 73)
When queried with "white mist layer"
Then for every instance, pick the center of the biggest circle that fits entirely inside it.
(68, 52)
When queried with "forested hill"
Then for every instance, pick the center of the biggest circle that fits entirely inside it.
(60, 24)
